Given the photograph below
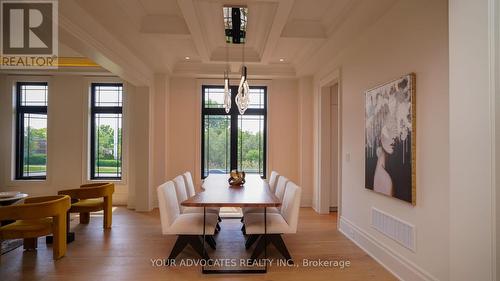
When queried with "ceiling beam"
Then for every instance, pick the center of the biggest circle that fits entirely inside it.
(279, 22)
(188, 11)
(80, 31)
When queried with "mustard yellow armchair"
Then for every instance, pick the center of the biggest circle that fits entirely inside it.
(92, 198)
(38, 216)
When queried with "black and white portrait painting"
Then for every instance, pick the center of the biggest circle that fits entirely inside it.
(390, 139)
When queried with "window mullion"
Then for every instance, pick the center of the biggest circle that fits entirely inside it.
(234, 130)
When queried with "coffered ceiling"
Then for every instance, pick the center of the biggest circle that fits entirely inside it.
(285, 38)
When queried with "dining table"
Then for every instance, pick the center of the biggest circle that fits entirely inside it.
(11, 198)
(217, 192)
(14, 198)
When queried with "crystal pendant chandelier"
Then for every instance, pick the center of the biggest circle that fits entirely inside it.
(243, 96)
(235, 21)
(227, 89)
(227, 92)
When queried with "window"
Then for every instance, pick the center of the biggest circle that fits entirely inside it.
(106, 131)
(31, 130)
(233, 141)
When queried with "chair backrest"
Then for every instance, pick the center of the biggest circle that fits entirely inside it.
(191, 191)
(94, 184)
(89, 191)
(273, 180)
(168, 204)
(180, 190)
(280, 187)
(36, 208)
(291, 205)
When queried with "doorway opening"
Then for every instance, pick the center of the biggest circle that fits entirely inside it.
(330, 165)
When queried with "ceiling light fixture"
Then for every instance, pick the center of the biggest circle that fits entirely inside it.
(227, 92)
(282, 59)
(235, 25)
(242, 98)
(227, 89)
(187, 58)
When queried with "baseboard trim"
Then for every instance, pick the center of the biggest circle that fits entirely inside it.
(399, 266)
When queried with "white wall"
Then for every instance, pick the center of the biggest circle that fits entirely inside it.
(411, 37)
(472, 196)
(159, 117)
(283, 131)
(67, 137)
(140, 172)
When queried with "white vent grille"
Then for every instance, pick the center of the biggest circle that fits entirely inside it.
(396, 229)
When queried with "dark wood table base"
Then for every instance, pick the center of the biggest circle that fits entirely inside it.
(217, 193)
(257, 252)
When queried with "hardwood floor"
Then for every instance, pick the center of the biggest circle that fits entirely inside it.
(125, 252)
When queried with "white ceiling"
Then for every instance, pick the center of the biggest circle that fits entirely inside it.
(155, 36)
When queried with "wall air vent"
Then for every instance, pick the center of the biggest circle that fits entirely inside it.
(394, 228)
(235, 24)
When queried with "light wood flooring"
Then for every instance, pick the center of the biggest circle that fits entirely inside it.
(125, 252)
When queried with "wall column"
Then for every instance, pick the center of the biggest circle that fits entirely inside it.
(140, 180)
(306, 138)
(472, 200)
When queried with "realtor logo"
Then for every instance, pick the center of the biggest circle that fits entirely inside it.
(29, 34)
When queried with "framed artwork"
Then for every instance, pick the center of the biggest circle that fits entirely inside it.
(390, 140)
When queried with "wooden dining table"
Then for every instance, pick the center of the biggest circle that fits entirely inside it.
(218, 193)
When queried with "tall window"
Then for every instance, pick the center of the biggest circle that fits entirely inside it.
(230, 140)
(106, 131)
(31, 130)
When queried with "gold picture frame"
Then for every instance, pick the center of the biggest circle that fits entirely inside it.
(390, 138)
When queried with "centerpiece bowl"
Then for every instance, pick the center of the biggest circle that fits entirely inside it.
(236, 178)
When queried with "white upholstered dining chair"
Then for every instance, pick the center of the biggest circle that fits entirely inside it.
(187, 226)
(191, 191)
(279, 191)
(280, 187)
(284, 222)
(188, 178)
(273, 179)
(184, 191)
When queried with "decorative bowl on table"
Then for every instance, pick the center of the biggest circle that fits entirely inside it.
(236, 178)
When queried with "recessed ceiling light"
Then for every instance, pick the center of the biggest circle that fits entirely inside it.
(187, 58)
(282, 59)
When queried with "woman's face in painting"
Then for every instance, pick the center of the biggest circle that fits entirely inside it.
(386, 140)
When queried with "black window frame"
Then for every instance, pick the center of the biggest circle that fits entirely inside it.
(21, 110)
(233, 136)
(94, 110)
